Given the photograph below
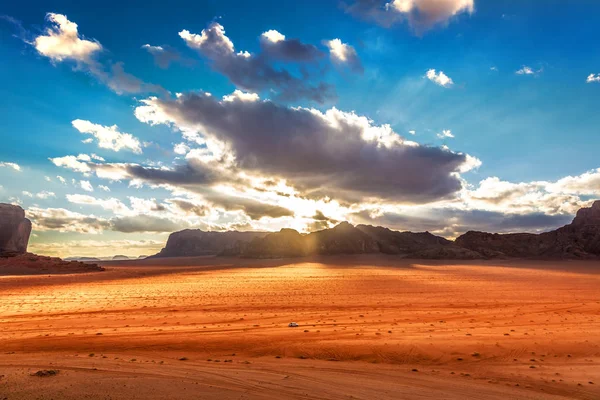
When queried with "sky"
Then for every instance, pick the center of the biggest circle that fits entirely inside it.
(125, 121)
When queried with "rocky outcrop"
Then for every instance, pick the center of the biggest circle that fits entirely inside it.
(348, 239)
(194, 242)
(14, 230)
(580, 239)
(342, 239)
(282, 244)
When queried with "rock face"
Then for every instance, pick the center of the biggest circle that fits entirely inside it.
(580, 239)
(285, 243)
(194, 242)
(348, 239)
(14, 229)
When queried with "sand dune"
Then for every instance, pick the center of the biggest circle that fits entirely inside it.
(371, 328)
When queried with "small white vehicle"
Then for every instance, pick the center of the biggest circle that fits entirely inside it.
(293, 325)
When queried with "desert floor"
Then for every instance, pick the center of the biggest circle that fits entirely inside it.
(370, 328)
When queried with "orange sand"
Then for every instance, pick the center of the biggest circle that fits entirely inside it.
(503, 330)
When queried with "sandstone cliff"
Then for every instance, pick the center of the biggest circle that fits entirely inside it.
(348, 239)
(194, 242)
(14, 229)
(580, 239)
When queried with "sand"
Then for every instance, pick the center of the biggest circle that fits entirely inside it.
(370, 328)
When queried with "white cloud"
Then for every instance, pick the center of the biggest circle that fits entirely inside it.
(446, 133)
(242, 96)
(593, 78)
(424, 14)
(439, 78)
(273, 36)
(181, 148)
(47, 178)
(96, 157)
(12, 165)
(220, 44)
(26, 193)
(105, 188)
(61, 179)
(62, 220)
(525, 70)
(45, 195)
(108, 136)
(62, 41)
(112, 204)
(86, 185)
(412, 132)
(72, 162)
(342, 53)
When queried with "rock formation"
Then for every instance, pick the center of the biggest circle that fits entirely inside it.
(580, 239)
(348, 239)
(14, 230)
(194, 242)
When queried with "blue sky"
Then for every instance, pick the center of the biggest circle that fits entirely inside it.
(519, 102)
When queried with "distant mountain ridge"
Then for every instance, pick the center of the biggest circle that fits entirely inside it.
(580, 239)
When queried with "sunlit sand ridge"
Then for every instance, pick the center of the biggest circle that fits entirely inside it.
(374, 328)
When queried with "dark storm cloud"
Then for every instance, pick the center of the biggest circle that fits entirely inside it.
(255, 73)
(320, 154)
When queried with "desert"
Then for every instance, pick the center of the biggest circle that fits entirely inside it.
(369, 327)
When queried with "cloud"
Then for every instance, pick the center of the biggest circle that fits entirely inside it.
(62, 42)
(277, 47)
(146, 223)
(105, 188)
(12, 165)
(439, 78)
(45, 195)
(593, 78)
(560, 197)
(163, 55)
(330, 153)
(122, 82)
(108, 136)
(251, 72)
(452, 222)
(525, 70)
(93, 248)
(86, 185)
(112, 204)
(344, 54)
(73, 162)
(62, 220)
(61, 179)
(181, 148)
(421, 15)
(446, 133)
